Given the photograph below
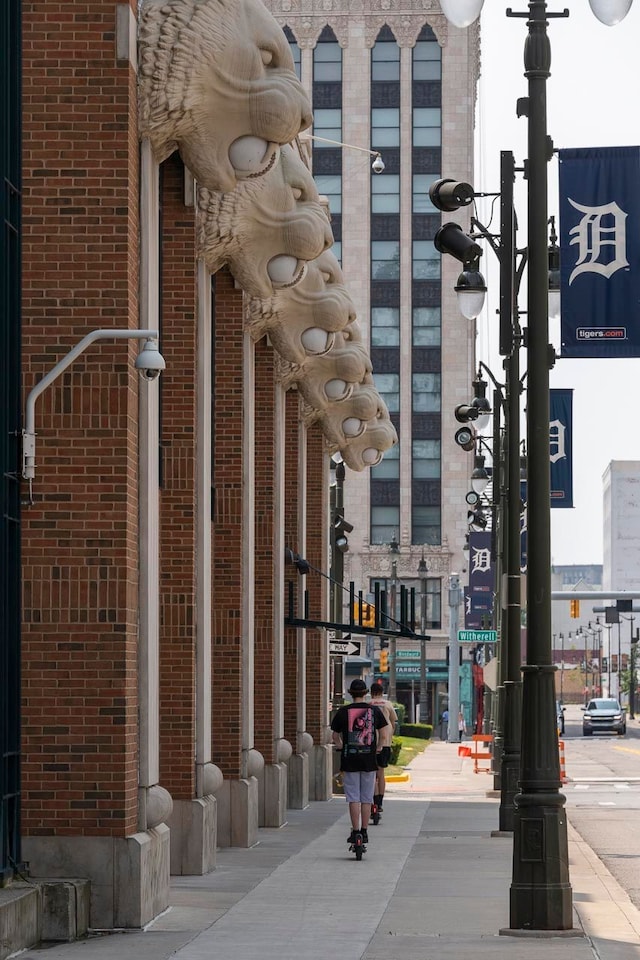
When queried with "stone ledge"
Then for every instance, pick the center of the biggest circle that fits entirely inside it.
(43, 911)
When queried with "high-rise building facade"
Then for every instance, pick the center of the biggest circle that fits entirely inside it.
(397, 79)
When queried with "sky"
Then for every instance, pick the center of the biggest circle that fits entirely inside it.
(592, 100)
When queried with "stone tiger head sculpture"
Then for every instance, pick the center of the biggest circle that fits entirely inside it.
(328, 378)
(367, 449)
(301, 320)
(267, 229)
(358, 426)
(217, 82)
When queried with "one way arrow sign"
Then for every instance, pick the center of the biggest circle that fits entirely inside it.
(346, 646)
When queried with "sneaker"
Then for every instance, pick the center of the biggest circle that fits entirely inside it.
(352, 837)
(365, 836)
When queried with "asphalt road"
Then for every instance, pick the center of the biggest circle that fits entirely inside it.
(603, 796)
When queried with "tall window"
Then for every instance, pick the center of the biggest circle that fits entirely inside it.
(295, 50)
(327, 125)
(426, 360)
(385, 274)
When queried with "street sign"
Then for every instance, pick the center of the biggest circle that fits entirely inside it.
(477, 636)
(348, 648)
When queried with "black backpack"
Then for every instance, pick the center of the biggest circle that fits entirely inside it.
(360, 736)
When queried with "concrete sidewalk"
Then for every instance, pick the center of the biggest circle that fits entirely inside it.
(434, 885)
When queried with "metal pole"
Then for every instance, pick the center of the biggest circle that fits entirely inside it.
(455, 598)
(510, 637)
(618, 691)
(632, 678)
(337, 579)
(423, 680)
(541, 897)
(392, 640)
(422, 570)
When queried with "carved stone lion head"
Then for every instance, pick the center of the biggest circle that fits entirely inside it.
(267, 229)
(217, 82)
(301, 320)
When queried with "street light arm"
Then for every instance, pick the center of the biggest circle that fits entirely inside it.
(28, 433)
(489, 373)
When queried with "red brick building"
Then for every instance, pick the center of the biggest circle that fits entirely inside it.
(166, 709)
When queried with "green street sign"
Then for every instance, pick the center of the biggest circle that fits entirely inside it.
(477, 636)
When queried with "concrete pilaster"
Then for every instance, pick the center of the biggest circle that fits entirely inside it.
(238, 813)
(193, 826)
(298, 791)
(129, 876)
(273, 795)
(320, 772)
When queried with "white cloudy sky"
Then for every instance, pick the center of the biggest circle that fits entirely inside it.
(592, 100)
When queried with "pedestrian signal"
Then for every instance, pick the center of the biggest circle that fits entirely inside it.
(384, 661)
(574, 609)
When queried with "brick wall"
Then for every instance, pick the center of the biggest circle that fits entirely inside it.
(265, 503)
(317, 647)
(80, 255)
(178, 506)
(227, 586)
(291, 496)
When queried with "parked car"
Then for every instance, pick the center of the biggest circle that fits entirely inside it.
(559, 717)
(604, 714)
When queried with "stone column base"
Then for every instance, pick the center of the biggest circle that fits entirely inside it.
(273, 795)
(129, 875)
(320, 772)
(238, 813)
(193, 826)
(298, 791)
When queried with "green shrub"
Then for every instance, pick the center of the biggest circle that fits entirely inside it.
(401, 711)
(421, 730)
(396, 746)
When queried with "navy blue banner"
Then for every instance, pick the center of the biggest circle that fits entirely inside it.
(560, 447)
(600, 252)
(478, 610)
(523, 526)
(480, 592)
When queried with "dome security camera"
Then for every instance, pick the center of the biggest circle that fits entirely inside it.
(378, 164)
(150, 361)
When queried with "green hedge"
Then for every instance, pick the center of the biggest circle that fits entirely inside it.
(400, 710)
(422, 730)
(396, 746)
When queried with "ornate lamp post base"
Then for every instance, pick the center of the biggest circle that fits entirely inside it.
(540, 891)
(510, 759)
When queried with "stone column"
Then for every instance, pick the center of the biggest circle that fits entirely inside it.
(232, 588)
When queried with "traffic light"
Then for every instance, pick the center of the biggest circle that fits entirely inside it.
(574, 609)
(368, 612)
(384, 661)
(341, 528)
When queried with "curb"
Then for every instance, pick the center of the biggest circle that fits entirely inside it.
(400, 778)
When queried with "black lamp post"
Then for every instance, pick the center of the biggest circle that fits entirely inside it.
(447, 195)
(632, 674)
(422, 573)
(394, 550)
(540, 892)
(337, 574)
